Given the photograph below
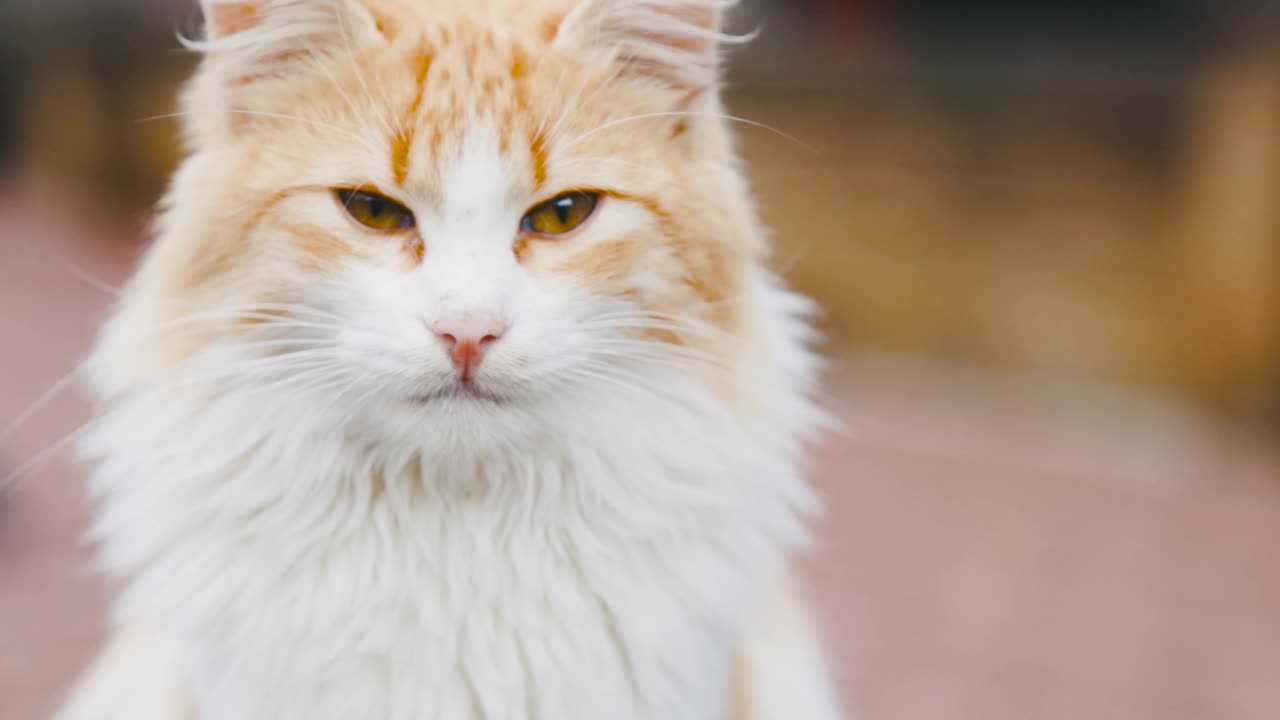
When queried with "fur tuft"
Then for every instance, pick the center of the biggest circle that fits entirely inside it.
(676, 41)
(248, 39)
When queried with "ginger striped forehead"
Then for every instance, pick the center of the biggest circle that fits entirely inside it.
(463, 118)
(477, 76)
(434, 69)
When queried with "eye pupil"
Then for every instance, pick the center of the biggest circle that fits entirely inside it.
(375, 211)
(561, 215)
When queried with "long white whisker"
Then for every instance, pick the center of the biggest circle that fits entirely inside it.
(342, 92)
(346, 41)
(295, 362)
(183, 324)
(690, 113)
(9, 482)
(275, 116)
(267, 320)
(41, 402)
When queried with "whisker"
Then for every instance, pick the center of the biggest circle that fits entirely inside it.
(346, 41)
(268, 320)
(186, 323)
(689, 113)
(54, 390)
(275, 116)
(553, 136)
(324, 65)
(8, 483)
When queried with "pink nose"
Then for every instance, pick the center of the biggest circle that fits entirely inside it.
(467, 337)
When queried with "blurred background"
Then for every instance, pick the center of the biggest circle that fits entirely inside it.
(1047, 238)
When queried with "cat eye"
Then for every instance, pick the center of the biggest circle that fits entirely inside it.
(561, 214)
(375, 211)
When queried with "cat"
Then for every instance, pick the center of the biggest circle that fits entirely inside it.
(455, 383)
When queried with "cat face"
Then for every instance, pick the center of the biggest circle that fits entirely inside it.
(445, 207)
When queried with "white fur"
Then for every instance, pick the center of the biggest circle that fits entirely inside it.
(303, 541)
(136, 677)
(606, 566)
(784, 662)
(324, 549)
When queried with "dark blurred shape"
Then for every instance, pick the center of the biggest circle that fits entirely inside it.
(94, 77)
(10, 93)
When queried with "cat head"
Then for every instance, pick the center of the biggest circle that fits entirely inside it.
(476, 209)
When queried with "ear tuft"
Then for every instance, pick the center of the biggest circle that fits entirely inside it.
(228, 18)
(674, 41)
(255, 38)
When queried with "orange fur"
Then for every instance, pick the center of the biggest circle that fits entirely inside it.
(447, 68)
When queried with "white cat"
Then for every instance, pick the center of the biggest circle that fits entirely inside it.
(455, 384)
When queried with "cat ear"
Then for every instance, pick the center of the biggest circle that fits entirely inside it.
(247, 39)
(676, 42)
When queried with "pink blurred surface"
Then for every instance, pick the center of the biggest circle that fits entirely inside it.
(979, 559)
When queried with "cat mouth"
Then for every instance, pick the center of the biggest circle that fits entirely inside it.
(462, 390)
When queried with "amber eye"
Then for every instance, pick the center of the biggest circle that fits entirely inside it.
(561, 214)
(375, 211)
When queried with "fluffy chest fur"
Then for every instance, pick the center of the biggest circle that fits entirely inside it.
(606, 566)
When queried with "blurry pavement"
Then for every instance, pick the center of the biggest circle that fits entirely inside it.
(985, 556)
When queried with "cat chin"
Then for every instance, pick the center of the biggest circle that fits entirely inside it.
(464, 395)
(445, 425)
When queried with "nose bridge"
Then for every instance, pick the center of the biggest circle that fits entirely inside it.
(469, 251)
(468, 276)
(474, 325)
